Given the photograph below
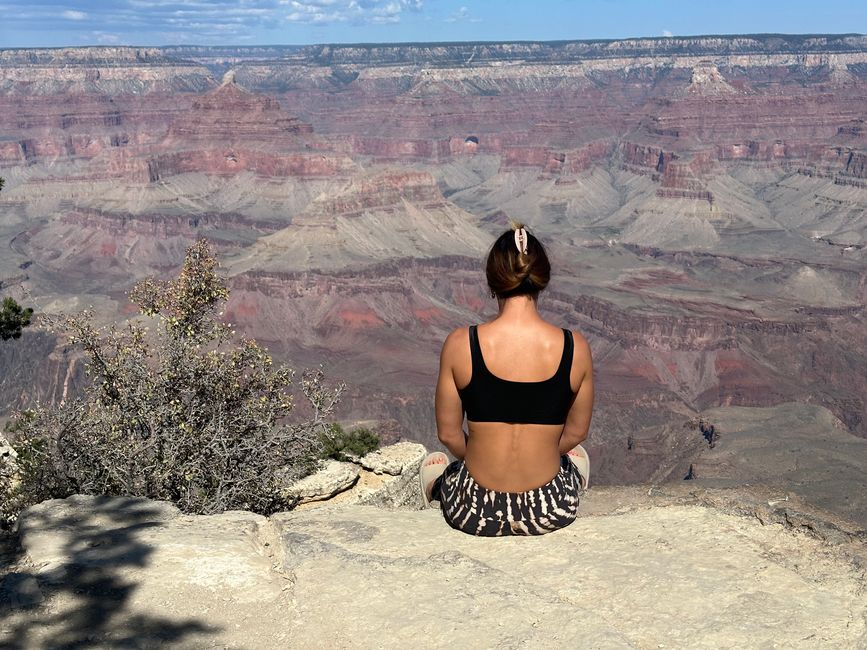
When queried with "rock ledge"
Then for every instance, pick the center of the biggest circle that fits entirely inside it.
(636, 571)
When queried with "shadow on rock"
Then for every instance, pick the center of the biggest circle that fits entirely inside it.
(79, 594)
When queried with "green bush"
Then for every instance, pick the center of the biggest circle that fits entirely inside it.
(341, 445)
(13, 319)
(182, 411)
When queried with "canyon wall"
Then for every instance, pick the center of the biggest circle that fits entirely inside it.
(703, 200)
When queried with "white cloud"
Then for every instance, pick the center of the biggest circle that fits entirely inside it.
(389, 13)
(356, 11)
(666, 33)
(203, 20)
(462, 15)
(105, 38)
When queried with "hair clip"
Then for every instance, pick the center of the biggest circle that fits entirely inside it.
(521, 240)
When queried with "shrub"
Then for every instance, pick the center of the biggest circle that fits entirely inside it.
(340, 445)
(181, 412)
(13, 319)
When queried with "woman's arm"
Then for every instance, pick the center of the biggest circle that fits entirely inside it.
(449, 410)
(578, 419)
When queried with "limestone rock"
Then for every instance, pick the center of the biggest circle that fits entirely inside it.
(707, 80)
(635, 571)
(400, 492)
(395, 459)
(389, 479)
(679, 576)
(20, 590)
(146, 574)
(384, 491)
(334, 477)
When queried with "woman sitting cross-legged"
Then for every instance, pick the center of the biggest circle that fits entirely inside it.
(526, 387)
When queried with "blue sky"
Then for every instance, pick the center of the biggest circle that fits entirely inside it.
(42, 23)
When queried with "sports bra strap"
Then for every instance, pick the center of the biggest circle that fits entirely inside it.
(487, 398)
(476, 350)
(479, 360)
(566, 360)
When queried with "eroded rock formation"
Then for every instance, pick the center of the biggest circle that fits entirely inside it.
(704, 202)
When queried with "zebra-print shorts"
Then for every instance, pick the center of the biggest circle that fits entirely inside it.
(473, 509)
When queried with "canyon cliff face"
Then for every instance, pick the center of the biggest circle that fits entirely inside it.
(703, 201)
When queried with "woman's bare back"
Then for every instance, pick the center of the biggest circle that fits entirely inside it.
(516, 457)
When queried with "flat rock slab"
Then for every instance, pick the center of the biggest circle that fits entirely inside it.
(395, 459)
(134, 573)
(678, 576)
(123, 572)
(334, 477)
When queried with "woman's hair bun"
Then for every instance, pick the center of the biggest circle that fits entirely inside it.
(512, 273)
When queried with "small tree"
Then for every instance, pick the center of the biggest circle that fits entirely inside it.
(182, 413)
(13, 319)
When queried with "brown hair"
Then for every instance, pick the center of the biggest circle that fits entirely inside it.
(511, 273)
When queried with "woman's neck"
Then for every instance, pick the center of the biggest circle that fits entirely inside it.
(517, 308)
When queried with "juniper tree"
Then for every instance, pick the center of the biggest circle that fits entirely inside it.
(13, 319)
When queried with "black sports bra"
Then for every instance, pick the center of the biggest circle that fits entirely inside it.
(487, 398)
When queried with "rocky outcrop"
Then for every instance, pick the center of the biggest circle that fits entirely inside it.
(637, 569)
(708, 81)
(856, 165)
(382, 215)
(330, 479)
(230, 160)
(230, 114)
(386, 478)
(387, 190)
(394, 459)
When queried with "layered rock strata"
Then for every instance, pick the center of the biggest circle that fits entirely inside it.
(703, 199)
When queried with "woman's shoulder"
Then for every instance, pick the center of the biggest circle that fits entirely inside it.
(457, 339)
(580, 340)
(581, 355)
(456, 351)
